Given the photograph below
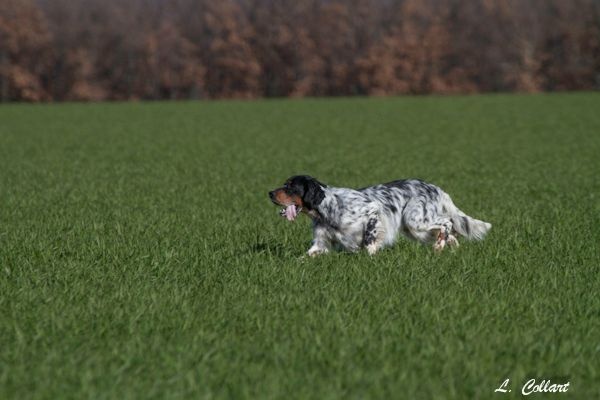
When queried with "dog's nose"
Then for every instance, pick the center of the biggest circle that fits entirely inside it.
(272, 194)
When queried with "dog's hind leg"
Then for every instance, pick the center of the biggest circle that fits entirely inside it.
(452, 241)
(444, 237)
(424, 225)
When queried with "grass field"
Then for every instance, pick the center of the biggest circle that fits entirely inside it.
(140, 256)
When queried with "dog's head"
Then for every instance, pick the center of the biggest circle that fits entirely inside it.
(301, 192)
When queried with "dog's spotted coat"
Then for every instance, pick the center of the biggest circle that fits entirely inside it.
(372, 217)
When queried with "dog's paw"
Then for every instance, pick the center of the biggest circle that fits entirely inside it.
(372, 249)
(439, 245)
(452, 241)
(316, 251)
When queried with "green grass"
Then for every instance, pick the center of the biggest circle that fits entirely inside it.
(140, 256)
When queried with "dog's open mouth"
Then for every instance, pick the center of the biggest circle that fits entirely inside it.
(290, 212)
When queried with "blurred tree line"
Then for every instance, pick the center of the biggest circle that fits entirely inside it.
(181, 49)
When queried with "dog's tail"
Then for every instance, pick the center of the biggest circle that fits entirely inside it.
(470, 228)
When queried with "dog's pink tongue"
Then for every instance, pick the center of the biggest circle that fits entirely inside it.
(290, 212)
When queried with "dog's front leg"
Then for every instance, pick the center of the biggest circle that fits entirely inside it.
(321, 242)
(374, 235)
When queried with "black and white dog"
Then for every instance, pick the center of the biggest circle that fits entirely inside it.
(372, 217)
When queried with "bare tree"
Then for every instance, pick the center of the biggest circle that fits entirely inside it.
(178, 49)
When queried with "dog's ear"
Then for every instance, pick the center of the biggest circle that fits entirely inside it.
(313, 193)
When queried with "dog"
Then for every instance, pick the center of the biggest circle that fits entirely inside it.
(372, 217)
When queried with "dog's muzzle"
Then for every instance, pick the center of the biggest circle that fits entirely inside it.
(290, 211)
